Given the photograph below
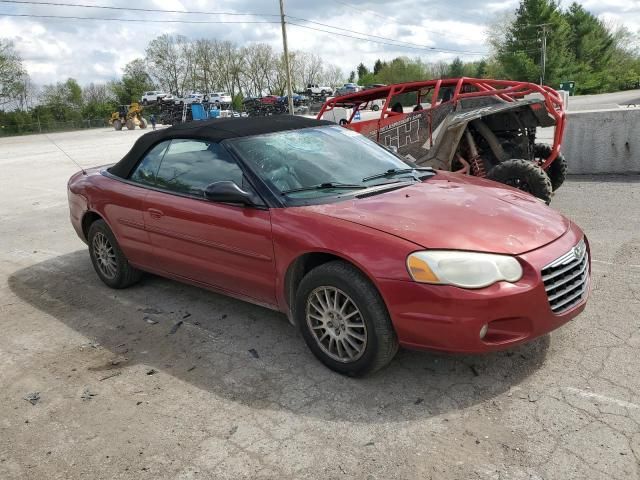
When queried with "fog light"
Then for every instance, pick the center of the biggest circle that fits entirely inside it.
(483, 330)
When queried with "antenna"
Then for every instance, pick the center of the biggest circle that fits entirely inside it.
(66, 154)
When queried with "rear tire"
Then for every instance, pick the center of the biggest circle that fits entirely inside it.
(143, 123)
(130, 125)
(375, 108)
(557, 171)
(108, 260)
(523, 175)
(360, 338)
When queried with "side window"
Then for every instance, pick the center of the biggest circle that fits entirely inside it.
(147, 169)
(190, 165)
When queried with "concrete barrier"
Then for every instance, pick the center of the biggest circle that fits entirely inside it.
(603, 141)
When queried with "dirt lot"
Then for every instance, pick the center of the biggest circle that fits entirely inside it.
(127, 391)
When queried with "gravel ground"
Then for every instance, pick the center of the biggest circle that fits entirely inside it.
(168, 381)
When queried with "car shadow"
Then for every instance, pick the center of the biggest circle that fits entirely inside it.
(252, 355)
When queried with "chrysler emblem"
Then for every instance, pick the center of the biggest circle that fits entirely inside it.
(578, 250)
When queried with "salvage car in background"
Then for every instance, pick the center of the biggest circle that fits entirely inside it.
(486, 128)
(221, 98)
(360, 248)
(152, 97)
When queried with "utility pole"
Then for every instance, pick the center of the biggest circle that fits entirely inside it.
(543, 61)
(286, 58)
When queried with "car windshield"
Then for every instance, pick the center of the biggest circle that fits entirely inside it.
(321, 162)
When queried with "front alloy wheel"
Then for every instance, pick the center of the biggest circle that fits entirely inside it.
(336, 324)
(344, 320)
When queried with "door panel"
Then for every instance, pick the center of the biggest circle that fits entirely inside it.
(226, 246)
(122, 209)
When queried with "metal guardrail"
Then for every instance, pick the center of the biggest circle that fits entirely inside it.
(53, 126)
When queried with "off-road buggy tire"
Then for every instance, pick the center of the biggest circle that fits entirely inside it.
(523, 175)
(381, 340)
(557, 171)
(125, 275)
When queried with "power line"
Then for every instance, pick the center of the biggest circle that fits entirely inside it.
(380, 40)
(139, 20)
(375, 36)
(395, 20)
(135, 9)
(433, 49)
(361, 10)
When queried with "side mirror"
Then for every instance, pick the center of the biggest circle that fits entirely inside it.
(228, 192)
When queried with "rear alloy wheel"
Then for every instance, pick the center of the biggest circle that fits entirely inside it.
(344, 321)
(108, 260)
(523, 175)
(557, 171)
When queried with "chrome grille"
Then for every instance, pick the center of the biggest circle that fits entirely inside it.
(566, 279)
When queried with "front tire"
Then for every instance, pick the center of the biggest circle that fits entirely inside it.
(523, 175)
(557, 171)
(108, 260)
(117, 124)
(344, 320)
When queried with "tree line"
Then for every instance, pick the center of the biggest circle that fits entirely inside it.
(580, 47)
(173, 64)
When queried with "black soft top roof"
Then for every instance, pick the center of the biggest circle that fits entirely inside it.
(214, 130)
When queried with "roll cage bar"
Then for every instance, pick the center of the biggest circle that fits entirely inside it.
(463, 88)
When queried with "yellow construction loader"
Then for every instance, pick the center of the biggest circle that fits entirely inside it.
(128, 116)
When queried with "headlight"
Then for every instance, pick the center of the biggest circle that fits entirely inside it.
(462, 269)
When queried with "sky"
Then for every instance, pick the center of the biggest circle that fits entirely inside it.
(97, 50)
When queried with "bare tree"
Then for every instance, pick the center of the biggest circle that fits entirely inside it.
(179, 65)
(13, 77)
(260, 63)
(306, 68)
(208, 78)
(97, 93)
(167, 63)
(333, 76)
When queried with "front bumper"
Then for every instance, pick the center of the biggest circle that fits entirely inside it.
(447, 318)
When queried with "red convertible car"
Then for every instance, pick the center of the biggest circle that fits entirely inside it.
(361, 249)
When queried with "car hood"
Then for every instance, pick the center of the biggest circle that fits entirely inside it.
(450, 211)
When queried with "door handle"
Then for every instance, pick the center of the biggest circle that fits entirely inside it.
(155, 213)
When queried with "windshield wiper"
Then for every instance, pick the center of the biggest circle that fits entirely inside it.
(323, 186)
(397, 171)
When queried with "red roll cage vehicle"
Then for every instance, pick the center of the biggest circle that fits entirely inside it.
(480, 127)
